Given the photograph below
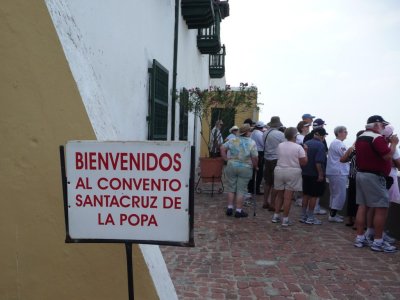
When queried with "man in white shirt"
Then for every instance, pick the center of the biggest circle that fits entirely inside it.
(257, 136)
(272, 138)
(216, 140)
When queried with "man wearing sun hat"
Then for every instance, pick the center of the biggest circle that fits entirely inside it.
(257, 136)
(272, 138)
(233, 132)
(374, 156)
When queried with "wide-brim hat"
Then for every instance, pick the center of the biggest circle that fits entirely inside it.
(245, 128)
(233, 128)
(275, 122)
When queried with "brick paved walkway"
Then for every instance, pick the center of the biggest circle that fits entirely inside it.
(252, 258)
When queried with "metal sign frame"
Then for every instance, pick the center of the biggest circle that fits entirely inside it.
(128, 243)
(69, 239)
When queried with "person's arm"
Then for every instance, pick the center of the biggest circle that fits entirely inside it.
(303, 160)
(224, 152)
(396, 163)
(228, 138)
(320, 171)
(254, 155)
(347, 155)
(254, 160)
(394, 140)
(396, 159)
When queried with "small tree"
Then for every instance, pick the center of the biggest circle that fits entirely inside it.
(229, 102)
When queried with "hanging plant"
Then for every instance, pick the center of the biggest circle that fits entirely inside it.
(201, 102)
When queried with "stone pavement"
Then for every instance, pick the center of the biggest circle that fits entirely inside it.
(252, 258)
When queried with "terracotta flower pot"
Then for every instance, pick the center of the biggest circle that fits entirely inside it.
(211, 168)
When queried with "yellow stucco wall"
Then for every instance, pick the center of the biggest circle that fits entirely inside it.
(241, 115)
(40, 109)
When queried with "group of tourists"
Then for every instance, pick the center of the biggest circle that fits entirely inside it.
(295, 162)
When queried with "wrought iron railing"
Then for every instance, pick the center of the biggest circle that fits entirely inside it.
(217, 64)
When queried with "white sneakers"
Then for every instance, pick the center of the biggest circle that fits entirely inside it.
(319, 211)
(367, 241)
(335, 219)
(383, 247)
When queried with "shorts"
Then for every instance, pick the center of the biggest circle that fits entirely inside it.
(287, 179)
(394, 193)
(269, 171)
(312, 187)
(371, 190)
(237, 178)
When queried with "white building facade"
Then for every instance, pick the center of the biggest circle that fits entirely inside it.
(129, 58)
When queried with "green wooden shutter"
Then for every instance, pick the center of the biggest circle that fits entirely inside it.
(158, 108)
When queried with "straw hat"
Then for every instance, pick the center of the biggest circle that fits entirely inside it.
(245, 128)
(233, 128)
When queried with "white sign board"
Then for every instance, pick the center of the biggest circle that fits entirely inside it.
(128, 190)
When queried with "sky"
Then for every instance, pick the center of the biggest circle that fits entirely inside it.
(338, 60)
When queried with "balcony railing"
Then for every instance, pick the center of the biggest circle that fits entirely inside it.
(208, 39)
(217, 64)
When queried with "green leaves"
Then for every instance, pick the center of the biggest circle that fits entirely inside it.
(201, 101)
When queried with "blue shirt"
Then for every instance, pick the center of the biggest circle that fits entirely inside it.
(273, 137)
(257, 136)
(241, 150)
(315, 154)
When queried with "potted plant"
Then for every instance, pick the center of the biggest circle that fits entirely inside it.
(211, 105)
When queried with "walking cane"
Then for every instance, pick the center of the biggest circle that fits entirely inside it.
(254, 192)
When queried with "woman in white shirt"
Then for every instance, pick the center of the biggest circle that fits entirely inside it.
(303, 128)
(287, 174)
(337, 173)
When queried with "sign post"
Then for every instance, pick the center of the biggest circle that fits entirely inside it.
(129, 264)
(128, 192)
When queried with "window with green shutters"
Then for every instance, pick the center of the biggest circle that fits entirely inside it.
(158, 106)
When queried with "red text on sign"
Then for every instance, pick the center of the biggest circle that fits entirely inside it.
(126, 161)
(83, 184)
(116, 201)
(138, 220)
(172, 202)
(145, 184)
